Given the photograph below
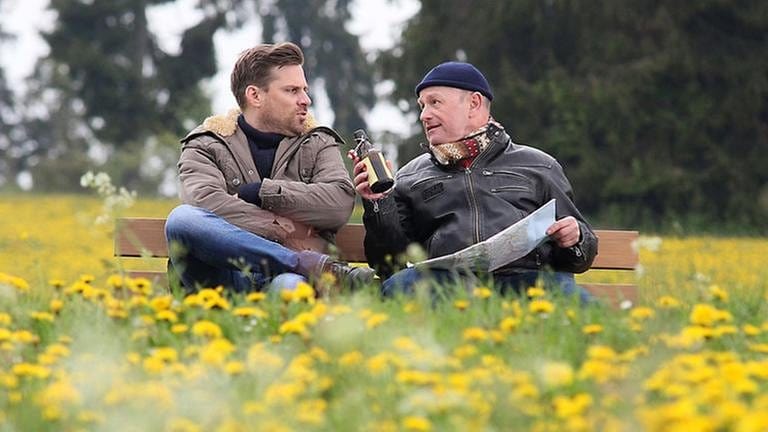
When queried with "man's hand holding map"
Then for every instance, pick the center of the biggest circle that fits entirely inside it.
(507, 246)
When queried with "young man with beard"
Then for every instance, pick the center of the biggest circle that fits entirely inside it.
(263, 189)
(471, 183)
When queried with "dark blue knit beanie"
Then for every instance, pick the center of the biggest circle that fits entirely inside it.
(458, 75)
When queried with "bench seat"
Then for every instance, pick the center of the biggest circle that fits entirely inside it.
(145, 237)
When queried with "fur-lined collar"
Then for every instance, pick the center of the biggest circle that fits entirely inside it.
(226, 124)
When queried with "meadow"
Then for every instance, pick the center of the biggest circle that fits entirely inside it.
(82, 348)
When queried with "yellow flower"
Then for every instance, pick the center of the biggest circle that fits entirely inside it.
(286, 295)
(509, 324)
(312, 411)
(216, 351)
(376, 320)
(566, 407)
(707, 315)
(56, 305)
(751, 330)
(541, 307)
(760, 347)
(718, 293)
(25, 337)
(115, 282)
(461, 304)
(417, 423)
(256, 297)
(482, 292)
(557, 374)
(31, 370)
(475, 334)
(352, 358)
(601, 352)
(641, 313)
(668, 302)
(167, 315)
(246, 312)
(207, 329)
(161, 303)
(141, 286)
(304, 292)
(42, 316)
(535, 292)
(14, 282)
(234, 367)
(59, 392)
(465, 351)
(294, 327)
(5, 319)
(179, 328)
(591, 329)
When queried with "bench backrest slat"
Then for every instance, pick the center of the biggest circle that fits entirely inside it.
(134, 236)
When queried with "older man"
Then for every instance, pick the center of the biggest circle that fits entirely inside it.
(264, 191)
(471, 183)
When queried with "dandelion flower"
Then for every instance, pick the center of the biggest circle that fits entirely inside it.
(541, 307)
(461, 304)
(482, 292)
(557, 374)
(207, 329)
(591, 329)
(417, 423)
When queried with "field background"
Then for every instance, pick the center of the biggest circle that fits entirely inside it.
(44, 237)
(82, 349)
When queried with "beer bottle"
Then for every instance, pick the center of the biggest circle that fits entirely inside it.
(379, 176)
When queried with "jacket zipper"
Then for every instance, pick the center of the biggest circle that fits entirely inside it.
(473, 203)
(472, 198)
(440, 177)
(509, 188)
(488, 172)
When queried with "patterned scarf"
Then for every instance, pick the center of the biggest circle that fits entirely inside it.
(466, 148)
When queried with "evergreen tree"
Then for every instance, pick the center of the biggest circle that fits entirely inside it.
(109, 89)
(8, 123)
(333, 56)
(649, 105)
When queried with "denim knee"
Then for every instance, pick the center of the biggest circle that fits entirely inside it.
(180, 220)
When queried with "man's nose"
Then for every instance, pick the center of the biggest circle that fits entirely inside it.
(305, 99)
(425, 114)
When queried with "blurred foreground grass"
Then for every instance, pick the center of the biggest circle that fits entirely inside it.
(105, 353)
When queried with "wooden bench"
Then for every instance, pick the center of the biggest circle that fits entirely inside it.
(145, 237)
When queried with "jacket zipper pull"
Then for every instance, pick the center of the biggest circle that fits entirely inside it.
(375, 206)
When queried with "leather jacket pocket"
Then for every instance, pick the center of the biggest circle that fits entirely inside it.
(431, 187)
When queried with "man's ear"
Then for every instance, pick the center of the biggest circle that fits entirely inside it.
(254, 96)
(475, 101)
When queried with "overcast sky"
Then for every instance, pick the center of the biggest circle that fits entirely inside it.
(378, 22)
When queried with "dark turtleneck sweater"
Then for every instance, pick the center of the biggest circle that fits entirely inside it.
(263, 147)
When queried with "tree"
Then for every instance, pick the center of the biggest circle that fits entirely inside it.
(649, 105)
(8, 124)
(110, 89)
(333, 56)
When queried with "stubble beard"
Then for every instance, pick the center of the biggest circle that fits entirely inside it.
(287, 125)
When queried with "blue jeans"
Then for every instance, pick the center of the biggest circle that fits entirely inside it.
(207, 251)
(403, 282)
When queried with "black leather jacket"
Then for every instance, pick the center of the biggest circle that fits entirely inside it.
(445, 209)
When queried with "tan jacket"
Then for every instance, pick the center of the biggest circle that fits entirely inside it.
(307, 199)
